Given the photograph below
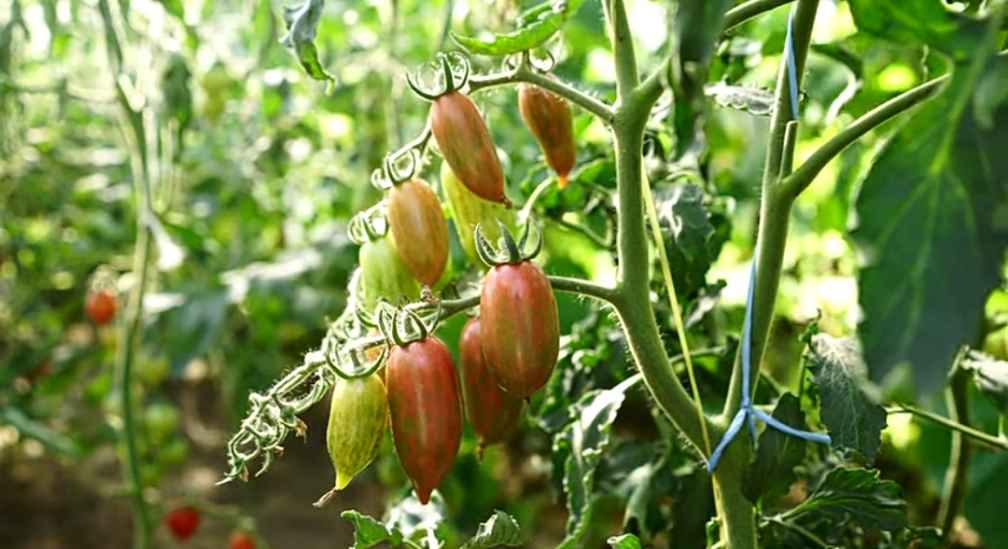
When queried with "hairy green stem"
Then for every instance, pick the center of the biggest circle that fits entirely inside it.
(990, 441)
(960, 454)
(747, 10)
(524, 73)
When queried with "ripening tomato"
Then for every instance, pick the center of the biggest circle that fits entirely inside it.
(425, 412)
(182, 522)
(493, 413)
(358, 417)
(101, 306)
(520, 327)
(383, 274)
(469, 210)
(465, 142)
(418, 225)
(241, 540)
(549, 117)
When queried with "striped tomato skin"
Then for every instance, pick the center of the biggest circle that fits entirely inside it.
(425, 411)
(418, 224)
(549, 118)
(358, 417)
(493, 413)
(465, 142)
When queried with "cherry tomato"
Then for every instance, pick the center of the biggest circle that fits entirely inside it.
(383, 274)
(182, 522)
(101, 306)
(358, 417)
(493, 413)
(549, 117)
(241, 540)
(465, 142)
(419, 227)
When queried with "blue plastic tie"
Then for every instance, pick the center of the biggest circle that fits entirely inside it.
(747, 411)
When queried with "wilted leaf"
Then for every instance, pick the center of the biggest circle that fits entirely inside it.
(302, 25)
(857, 495)
(501, 529)
(777, 454)
(852, 418)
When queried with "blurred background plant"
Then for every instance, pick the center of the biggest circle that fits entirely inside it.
(253, 168)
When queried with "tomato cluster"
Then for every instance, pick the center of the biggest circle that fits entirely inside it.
(507, 352)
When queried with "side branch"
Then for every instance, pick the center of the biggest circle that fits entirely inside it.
(747, 10)
(523, 73)
(798, 181)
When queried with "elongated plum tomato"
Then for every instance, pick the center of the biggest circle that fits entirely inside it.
(358, 417)
(493, 414)
(101, 306)
(520, 327)
(469, 210)
(383, 274)
(418, 225)
(549, 117)
(465, 142)
(426, 414)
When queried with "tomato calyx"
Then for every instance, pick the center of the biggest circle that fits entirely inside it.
(450, 80)
(512, 252)
(368, 225)
(405, 325)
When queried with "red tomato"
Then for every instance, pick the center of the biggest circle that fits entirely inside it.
(182, 522)
(425, 412)
(465, 142)
(241, 540)
(493, 413)
(101, 306)
(520, 327)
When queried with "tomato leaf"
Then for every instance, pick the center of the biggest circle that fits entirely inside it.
(919, 21)
(990, 376)
(302, 25)
(755, 101)
(501, 529)
(625, 541)
(369, 531)
(536, 26)
(853, 419)
(777, 454)
(856, 495)
(932, 230)
(691, 240)
(582, 444)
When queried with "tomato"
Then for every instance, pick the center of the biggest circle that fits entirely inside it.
(384, 274)
(493, 413)
(358, 417)
(469, 210)
(182, 522)
(241, 540)
(161, 421)
(549, 117)
(425, 412)
(520, 327)
(418, 224)
(101, 306)
(465, 142)
(996, 344)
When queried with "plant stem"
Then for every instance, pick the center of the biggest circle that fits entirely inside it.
(960, 455)
(747, 10)
(988, 440)
(523, 73)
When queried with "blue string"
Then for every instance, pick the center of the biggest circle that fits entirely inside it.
(747, 410)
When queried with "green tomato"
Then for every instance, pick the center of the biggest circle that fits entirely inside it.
(174, 453)
(161, 421)
(358, 417)
(996, 343)
(152, 372)
(468, 210)
(384, 275)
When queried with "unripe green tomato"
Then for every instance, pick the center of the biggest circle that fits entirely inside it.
(174, 453)
(161, 420)
(152, 372)
(468, 210)
(358, 417)
(996, 343)
(384, 275)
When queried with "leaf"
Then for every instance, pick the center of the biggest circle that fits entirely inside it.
(990, 376)
(501, 529)
(857, 495)
(368, 531)
(932, 228)
(777, 454)
(691, 241)
(536, 26)
(852, 418)
(919, 21)
(625, 541)
(581, 445)
(756, 101)
(302, 25)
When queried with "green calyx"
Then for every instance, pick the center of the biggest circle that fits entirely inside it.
(511, 252)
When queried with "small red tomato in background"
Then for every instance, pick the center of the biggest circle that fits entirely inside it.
(241, 540)
(182, 522)
(101, 306)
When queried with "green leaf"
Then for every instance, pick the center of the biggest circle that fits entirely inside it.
(990, 376)
(368, 531)
(691, 241)
(501, 529)
(772, 470)
(625, 541)
(919, 22)
(857, 495)
(302, 25)
(932, 227)
(853, 419)
(581, 445)
(536, 26)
